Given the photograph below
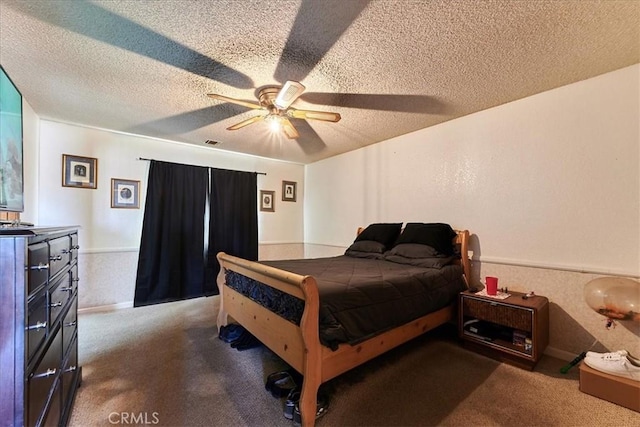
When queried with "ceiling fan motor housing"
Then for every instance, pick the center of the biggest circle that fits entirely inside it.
(267, 96)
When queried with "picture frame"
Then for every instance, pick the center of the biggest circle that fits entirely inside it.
(289, 191)
(79, 171)
(125, 193)
(267, 201)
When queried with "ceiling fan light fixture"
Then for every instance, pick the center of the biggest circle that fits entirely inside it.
(274, 123)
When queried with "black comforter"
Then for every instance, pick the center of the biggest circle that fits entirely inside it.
(359, 297)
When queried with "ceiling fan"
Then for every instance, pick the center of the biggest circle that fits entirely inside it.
(274, 104)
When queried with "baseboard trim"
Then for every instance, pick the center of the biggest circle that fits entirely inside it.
(560, 354)
(106, 308)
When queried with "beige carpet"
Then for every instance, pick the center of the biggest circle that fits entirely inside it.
(164, 365)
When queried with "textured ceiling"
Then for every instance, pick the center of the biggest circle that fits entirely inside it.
(388, 67)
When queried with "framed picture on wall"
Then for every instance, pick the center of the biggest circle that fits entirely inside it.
(289, 190)
(125, 193)
(80, 172)
(267, 202)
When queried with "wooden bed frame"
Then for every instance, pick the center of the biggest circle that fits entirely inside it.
(300, 346)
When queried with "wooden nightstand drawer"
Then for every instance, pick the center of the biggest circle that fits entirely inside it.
(501, 314)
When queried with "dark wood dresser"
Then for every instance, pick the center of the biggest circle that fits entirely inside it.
(39, 372)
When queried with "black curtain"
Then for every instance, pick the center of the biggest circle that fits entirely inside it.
(171, 263)
(233, 219)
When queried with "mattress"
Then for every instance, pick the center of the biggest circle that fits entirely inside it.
(359, 297)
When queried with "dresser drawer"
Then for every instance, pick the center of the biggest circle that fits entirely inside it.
(59, 254)
(59, 295)
(38, 263)
(69, 371)
(69, 325)
(42, 382)
(74, 278)
(52, 418)
(37, 324)
(74, 246)
(501, 314)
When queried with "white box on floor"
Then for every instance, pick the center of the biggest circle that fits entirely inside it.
(622, 391)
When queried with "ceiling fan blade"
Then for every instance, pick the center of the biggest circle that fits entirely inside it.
(288, 128)
(246, 122)
(289, 93)
(247, 104)
(326, 116)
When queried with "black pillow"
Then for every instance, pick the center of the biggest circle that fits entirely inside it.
(385, 233)
(413, 250)
(367, 246)
(366, 249)
(437, 235)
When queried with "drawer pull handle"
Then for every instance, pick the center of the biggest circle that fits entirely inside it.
(66, 251)
(55, 258)
(75, 279)
(39, 325)
(70, 324)
(75, 247)
(46, 374)
(56, 304)
(66, 289)
(70, 369)
(40, 266)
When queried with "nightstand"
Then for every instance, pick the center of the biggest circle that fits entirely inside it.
(513, 330)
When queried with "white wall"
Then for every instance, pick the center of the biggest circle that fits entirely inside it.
(109, 238)
(551, 181)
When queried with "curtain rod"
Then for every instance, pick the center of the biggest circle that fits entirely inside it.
(144, 158)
